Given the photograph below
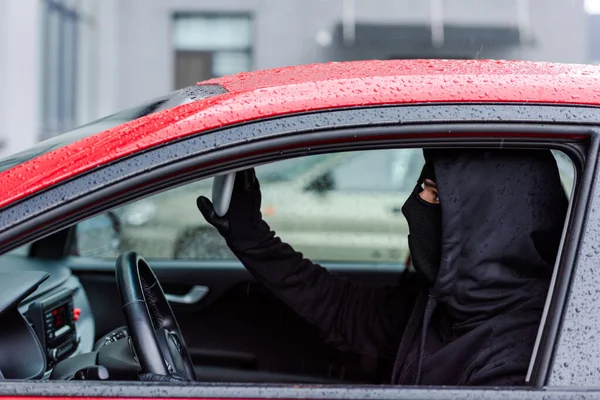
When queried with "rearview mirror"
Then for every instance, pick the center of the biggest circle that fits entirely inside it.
(222, 189)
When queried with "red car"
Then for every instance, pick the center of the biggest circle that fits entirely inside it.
(62, 315)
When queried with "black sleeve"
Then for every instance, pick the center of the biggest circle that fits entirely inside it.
(352, 317)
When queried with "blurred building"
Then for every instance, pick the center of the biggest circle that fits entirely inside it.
(48, 69)
(594, 39)
(65, 62)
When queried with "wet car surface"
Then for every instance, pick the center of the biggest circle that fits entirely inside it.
(148, 172)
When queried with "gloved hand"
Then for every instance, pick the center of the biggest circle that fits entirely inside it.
(242, 226)
(150, 377)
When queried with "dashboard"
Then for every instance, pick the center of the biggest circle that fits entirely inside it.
(48, 309)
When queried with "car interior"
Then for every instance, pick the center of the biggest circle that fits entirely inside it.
(72, 301)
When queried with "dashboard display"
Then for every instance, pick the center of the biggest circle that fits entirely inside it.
(54, 322)
(59, 317)
(58, 320)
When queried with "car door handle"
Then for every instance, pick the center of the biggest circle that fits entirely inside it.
(195, 294)
(396, 210)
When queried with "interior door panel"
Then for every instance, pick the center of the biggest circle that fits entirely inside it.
(237, 331)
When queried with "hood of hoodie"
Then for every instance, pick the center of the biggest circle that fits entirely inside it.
(503, 213)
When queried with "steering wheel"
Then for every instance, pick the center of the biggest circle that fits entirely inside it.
(157, 339)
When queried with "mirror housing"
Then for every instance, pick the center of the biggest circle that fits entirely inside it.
(222, 190)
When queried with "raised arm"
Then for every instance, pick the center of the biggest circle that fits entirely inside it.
(350, 316)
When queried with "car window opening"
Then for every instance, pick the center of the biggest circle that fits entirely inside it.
(350, 212)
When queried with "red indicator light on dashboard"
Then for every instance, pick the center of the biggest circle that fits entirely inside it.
(76, 313)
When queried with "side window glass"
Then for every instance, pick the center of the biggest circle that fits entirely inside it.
(378, 171)
(342, 207)
(347, 207)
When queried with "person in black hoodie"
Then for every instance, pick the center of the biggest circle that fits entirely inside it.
(483, 236)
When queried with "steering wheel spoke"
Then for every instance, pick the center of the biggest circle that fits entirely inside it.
(154, 331)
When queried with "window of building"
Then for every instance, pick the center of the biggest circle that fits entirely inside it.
(66, 26)
(211, 45)
(59, 62)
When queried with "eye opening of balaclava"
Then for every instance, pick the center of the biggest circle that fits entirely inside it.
(425, 228)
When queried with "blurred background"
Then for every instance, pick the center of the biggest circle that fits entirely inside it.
(67, 62)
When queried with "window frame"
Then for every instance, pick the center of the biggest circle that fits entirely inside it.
(46, 216)
(577, 313)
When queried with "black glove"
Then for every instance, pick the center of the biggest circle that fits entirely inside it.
(150, 377)
(242, 226)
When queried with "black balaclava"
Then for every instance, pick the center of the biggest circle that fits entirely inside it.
(425, 229)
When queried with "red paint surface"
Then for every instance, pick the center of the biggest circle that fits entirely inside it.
(277, 92)
(97, 398)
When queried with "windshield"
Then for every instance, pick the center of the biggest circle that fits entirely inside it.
(173, 99)
(89, 129)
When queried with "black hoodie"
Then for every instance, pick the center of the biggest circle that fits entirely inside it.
(502, 217)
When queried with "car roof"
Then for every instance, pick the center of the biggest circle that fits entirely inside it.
(499, 78)
(276, 92)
